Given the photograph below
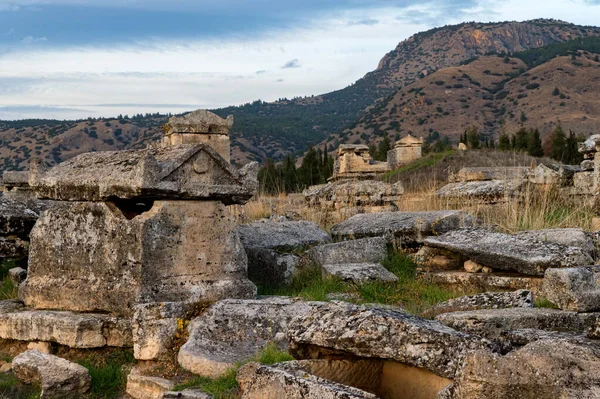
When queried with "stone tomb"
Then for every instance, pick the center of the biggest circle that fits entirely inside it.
(139, 226)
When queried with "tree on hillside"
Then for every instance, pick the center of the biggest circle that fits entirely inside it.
(504, 142)
(521, 139)
(534, 144)
(472, 137)
(289, 174)
(559, 143)
(572, 156)
(382, 148)
(309, 172)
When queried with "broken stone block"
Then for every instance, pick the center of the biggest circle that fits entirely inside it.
(17, 275)
(271, 247)
(359, 272)
(493, 324)
(472, 267)
(489, 173)
(508, 252)
(289, 380)
(92, 251)
(553, 174)
(587, 165)
(487, 270)
(487, 300)
(187, 394)
(5, 367)
(492, 190)
(140, 386)
(57, 377)
(405, 228)
(10, 305)
(191, 172)
(484, 282)
(234, 330)
(435, 259)
(578, 238)
(43, 347)
(574, 289)
(155, 325)
(365, 250)
(342, 328)
(551, 368)
(65, 328)
(363, 196)
(583, 182)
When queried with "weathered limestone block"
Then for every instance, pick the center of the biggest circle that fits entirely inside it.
(57, 377)
(363, 195)
(406, 228)
(489, 173)
(176, 251)
(353, 161)
(271, 247)
(364, 250)
(359, 272)
(155, 325)
(587, 165)
(435, 259)
(383, 333)
(18, 217)
(487, 300)
(66, 328)
(493, 324)
(543, 369)
(405, 150)
(576, 289)
(583, 182)
(509, 252)
(288, 380)
(553, 174)
(234, 330)
(10, 305)
(140, 386)
(491, 190)
(17, 275)
(483, 282)
(578, 238)
(199, 121)
(43, 347)
(187, 394)
(176, 172)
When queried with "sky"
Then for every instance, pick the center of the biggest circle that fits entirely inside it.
(68, 59)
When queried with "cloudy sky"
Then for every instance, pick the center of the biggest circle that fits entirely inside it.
(78, 58)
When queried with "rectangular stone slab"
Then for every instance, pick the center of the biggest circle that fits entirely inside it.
(508, 252)
(483, 282)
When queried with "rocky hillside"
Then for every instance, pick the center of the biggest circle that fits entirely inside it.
(274, 129)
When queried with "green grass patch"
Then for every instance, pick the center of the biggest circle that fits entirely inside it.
(108, 376)
(11, 387)
(425, 162)
(226, 387)
(543, 302)
(7, 288)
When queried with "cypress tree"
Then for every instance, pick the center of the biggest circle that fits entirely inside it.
(534, 144)
(504, 142)
(559, 143)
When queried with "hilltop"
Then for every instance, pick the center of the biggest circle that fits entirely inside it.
(273, 129)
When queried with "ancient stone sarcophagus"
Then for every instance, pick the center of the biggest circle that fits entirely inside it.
(137, 227)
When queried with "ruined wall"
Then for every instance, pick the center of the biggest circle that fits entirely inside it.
(403, 155)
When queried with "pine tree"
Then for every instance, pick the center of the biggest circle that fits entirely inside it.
(382, 149)
(472, 136)
(521, 139)
(572, 155)
(559, 143)
(534, 144)
(504, 142)
(309, 171)
(290, 178)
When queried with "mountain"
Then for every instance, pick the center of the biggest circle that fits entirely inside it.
(273, 129)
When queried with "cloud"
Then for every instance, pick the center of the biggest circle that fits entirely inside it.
(262, 71)
(295, 63)
(10, 32)
(366, 21)
(4, 7)
(31, 39)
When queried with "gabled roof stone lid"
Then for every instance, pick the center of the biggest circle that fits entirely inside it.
(199, 121)
(409, 140)
(190, 172)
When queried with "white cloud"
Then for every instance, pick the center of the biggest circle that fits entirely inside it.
(295, 63)
(31, 39)
(9, 7)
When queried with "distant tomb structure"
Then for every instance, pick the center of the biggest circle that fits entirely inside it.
(406, 150)
(354, 162)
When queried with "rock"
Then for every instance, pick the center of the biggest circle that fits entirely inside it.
(65, 328)
(583, 182)
(10, 305)
(573, 289)
(288, 380)
(365, 250)
(145, 387)
(435, 259)
(383, 333)
(17, 275)
(489, 173)
(179, 172)
(589, 145)
(493, 324)
(5, 367)
(175, 251)
(518, 338)
(359, 272)
(199, 121)
(553, 174)
(487, 270)
(232, 331)
(472, 267)
(155, 325)
(587, 165)
(484, 282)
(509, 252)
(578, 238)
(406, 228)
(187, 394)
(491, 190)
(56, 376)
(285, 236)
(363, 195)
(18, 217)
(542, 369)
(487, 300)
(271, 247)
(43, 347)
